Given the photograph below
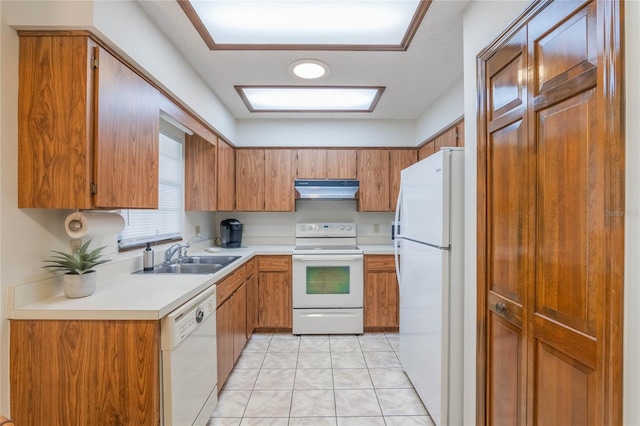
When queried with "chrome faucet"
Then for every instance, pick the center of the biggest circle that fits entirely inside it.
(179, 248)
(168, 254)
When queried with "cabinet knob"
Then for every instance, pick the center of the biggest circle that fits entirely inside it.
(501, 308)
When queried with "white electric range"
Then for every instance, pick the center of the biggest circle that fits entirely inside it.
(328, 279)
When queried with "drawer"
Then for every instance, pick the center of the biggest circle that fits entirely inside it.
(274, 263)
(379, 262)
(226, 287)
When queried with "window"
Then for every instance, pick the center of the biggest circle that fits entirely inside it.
(165, 223)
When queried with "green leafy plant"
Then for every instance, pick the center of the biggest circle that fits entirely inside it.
(79, 262)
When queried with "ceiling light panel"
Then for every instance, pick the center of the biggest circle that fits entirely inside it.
(310, 99)
(287, 23)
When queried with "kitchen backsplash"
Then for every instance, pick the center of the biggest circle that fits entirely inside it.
(279, 228)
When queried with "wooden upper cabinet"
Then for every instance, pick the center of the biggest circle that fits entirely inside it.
(426, 150)
(341, 164)
(311, 164)
(373, 173)
(399, 159)
(326, 164)
(199, 174)
(127, 136)
(460, 135)
(88, 127)
(226, 172)
(279, 195)
(250, 180)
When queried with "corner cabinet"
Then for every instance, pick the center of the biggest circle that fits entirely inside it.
(88, 127)
(82, 372)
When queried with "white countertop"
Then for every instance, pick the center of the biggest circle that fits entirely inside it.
(128, 296)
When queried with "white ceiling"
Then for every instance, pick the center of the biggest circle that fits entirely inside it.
(413, 78)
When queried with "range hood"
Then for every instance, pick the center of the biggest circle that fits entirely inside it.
(326, 189)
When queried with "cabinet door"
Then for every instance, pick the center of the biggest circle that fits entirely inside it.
(460, 136)
(252, 297)
(54, 140)
(311, 164)
(426, 150)
(199, 174)
(381, 298)
(224, 341)
(341, 164)
(373, 172)
(226, 177)
(239, 311)
(127, 136)
(250, 180)
(85, 372)
(274, 292)
(279, 195)
(398, 159)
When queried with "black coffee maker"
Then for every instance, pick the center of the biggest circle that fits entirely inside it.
(231, 233)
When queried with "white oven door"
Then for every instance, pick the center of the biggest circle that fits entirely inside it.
(328, 281)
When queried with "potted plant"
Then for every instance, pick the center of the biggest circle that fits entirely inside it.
(80, 277)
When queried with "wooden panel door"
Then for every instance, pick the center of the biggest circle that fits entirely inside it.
(127, 134)
(398, 159)
(509, 250)
(373, 173)
(551, 165)
(252, 297)
(250, 180)
(311, 164)
(226, 172)
(199, 174)
(279, 166)
(567, 313)
(341, 164)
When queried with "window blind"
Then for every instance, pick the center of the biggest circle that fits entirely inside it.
(165, 223)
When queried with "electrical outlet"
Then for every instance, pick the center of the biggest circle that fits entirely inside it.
(376, 228)
(197, 229)
(75, 243)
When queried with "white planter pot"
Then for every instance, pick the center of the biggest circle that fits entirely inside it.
(80, 285)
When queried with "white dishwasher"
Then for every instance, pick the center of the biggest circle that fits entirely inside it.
(189, 362)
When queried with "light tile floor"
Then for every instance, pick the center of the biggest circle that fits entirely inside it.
(281, 379)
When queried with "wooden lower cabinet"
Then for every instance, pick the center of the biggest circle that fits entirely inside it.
(83, 372)
(252, 297)
(381, 296)
(231, 322)
(275, 311)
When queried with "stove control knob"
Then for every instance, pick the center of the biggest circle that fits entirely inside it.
(309, 227)
(349, 227)
(341, 227)
(302, 227)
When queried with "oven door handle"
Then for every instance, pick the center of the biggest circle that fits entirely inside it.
(323, 258)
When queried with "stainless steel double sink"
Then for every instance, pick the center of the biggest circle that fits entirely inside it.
(203, 265)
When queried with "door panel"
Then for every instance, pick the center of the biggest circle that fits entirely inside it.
(549, 269)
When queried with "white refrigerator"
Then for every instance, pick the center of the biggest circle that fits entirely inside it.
(429, 262)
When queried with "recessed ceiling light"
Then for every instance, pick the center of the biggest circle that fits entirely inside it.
(309, 69)
(309, 98)
(306, 24)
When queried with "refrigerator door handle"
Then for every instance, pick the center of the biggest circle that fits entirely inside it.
(396, 253)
